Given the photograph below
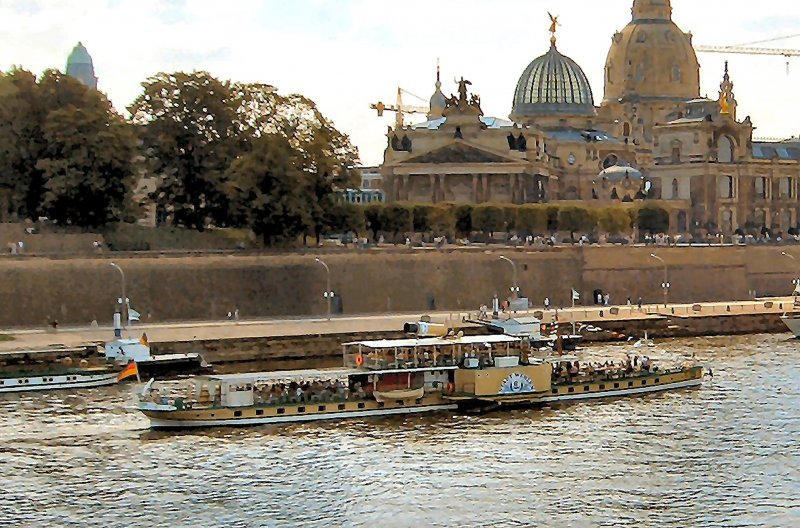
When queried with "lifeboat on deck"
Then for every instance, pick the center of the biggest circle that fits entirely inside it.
(407, 395)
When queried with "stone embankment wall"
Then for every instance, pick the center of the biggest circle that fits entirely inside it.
(77, 291)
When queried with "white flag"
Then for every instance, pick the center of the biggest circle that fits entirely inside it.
(575, 295)
(133, 315)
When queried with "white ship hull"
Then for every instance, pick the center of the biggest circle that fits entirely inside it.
(163, 423)
(793, 323)
(55, 382)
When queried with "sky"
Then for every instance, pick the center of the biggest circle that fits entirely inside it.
(346, 54)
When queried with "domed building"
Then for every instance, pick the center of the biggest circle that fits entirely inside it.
(553, 90)
(652, 138)
(650, 70)
(81, 67)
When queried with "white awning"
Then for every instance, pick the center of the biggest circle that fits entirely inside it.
(436, 341)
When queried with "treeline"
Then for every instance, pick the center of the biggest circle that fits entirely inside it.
(223, 154)
(458, 220)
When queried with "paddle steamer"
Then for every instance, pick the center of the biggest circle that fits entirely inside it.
(404, 376)
(66, 373)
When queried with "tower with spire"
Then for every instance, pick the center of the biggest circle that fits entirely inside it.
(438, 100)
(727, 101)
(81, 67)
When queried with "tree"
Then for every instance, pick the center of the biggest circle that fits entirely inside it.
(87, 167)
(442, 220)
(510, 217)
(269, 180)
(463, 217)
(189, 129)
(66, 153)
(652, 219)
(397, 219)
(344, 218)
(531, 219)
(374, 216)
(573, 219)
(326, 155)
(422, 218)
(488, 219)
(614, 220)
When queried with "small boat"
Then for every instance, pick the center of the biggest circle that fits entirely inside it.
(405, 376)
(58, 375)
(123, 351)
(644, 342)
(792, 322)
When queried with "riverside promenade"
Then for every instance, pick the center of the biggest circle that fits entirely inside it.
(762, 314)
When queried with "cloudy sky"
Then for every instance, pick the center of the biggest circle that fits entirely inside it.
(346, 54)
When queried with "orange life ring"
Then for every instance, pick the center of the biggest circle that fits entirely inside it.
(359, 360)
(450, 387)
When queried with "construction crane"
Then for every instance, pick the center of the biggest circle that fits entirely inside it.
(400, 108)
(746, 49)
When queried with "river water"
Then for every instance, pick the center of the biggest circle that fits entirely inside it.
(726, 454)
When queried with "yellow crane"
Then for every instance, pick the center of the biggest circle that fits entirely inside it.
(400, 108)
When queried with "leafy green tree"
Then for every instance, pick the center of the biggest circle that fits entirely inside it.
(344, 218)
(269, 180)
(531, 219)
(614, 220)
(488, 219)
(652, 219)
(463, 217)
(422, 217)
(374, 216)
(397, 219)
(66, 153)
(573, 219)
(552, 218)
(188, 125)
(443, 220)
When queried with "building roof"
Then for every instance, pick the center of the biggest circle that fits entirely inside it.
(79, 55)
(552, 84)
(571, 134)
(490, 122)
(785, 150)
(620, 172)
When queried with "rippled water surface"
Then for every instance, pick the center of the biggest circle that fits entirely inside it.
(727, 454)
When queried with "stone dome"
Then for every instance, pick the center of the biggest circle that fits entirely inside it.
(620, 172)
(552, 84)
(651, 58)
(438, 100)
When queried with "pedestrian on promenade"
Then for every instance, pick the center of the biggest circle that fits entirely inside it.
(547, 303)
(607, 299)
(629, 301)
(640, 303)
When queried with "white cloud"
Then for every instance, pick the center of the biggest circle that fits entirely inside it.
(346, 54)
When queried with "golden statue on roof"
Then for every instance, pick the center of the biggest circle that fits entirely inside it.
(553, 26)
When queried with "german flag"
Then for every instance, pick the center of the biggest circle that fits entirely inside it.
(128, 371)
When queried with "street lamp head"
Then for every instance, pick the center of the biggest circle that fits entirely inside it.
(316, 259)
(653, 255)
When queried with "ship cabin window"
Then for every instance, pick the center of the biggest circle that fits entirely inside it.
(657, 380)
(321, 408)
(301, 409)
(237, 414)
(555, 391)
(630, 384)
(399, 402)
(616, 385)
(342, 406)
(361, 405)
(381, 405)
(571, 389)
(602, 387)
(644, 382)
(585, 388)
(281, 410)
(259, 412)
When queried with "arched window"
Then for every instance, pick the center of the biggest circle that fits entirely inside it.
(675, 189)
(725, 152)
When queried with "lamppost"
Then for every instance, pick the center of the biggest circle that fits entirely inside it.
(795, 281)
(328, 293)
(515, 287)
(665, 284)
(123, 301)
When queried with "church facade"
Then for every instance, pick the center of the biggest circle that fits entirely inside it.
(652, 138)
